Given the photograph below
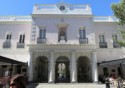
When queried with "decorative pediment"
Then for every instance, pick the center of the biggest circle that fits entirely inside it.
(62, 25)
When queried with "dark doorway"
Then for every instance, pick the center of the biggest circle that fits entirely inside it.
(105, 71)
(18, 67)
(83, 69)
(62, 74)
(42, 69)
(120, 71)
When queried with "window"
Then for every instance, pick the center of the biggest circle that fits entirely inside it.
(114, 37)
(101, 38)
(62, 35)
(21, 43)
(102, 42)
(82, 34)
(8, 37)
(22, 38)
(42, 34)
(7, 43)
(115, 41)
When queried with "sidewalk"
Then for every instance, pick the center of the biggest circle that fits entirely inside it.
(66, 85)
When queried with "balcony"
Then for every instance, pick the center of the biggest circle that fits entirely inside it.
(20, 45)
(62, 39)
(116, 45)
(41, 41)
(83, 41)
(6, 44)
(103, 44)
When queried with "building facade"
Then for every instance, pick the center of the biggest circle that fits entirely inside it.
(62, 43)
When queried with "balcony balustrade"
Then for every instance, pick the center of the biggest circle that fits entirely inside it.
(41, 40)
(15, 18)
(6, 44)
(20, 45)
(105, 19)
(103, 44)
(83, 41)
(116, 45)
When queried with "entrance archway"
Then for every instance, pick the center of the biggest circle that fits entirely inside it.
(83, 69)
(62, 74)
(42, 69)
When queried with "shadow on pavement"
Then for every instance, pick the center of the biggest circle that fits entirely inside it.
(32, 85)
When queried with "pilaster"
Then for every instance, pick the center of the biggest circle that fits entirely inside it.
(51, 68)
(73, 68)
(94, 67)
(30, 67)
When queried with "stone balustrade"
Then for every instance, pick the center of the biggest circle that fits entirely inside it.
(105, 19)
(45, 6)
(15, 18)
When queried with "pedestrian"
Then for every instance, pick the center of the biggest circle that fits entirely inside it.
(107, 82)
(18, 81)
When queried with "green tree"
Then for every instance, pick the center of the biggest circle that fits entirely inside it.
(119, 12)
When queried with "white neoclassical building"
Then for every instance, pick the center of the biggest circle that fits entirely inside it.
(62, 43)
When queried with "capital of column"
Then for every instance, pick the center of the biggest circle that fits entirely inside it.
(73, 52)
(93, 52)
(30, 53)
(52, 52)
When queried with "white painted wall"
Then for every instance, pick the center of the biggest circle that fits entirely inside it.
(51, 22)
(15, 29)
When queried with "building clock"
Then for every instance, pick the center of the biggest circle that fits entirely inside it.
(62, 8)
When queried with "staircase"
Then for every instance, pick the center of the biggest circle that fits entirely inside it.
(66, 85)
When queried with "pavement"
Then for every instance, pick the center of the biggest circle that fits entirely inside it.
(65, 85)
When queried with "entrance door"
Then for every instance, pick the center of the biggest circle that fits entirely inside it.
(62, 73)
(42, 70)
(83, 69)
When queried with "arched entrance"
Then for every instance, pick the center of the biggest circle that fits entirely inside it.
(42, 69)
(62, 74)
(83, 69)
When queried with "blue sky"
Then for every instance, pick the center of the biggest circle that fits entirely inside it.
(24, 7)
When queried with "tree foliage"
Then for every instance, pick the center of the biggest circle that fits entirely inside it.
(119, 12)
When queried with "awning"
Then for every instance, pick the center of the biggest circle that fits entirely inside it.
(113, 62)
(14, 58)
(9, 60)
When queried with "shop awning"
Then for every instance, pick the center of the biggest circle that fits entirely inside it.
(9, 60)
(113, 62)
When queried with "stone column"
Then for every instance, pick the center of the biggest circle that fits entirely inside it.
(73, 68)
(94, 68)
(30, 67)
(51, 68)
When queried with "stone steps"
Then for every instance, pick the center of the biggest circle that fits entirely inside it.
(66, 85)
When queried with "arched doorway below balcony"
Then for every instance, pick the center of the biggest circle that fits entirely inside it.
(42, 69)
(83, 69)
(62, 74)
